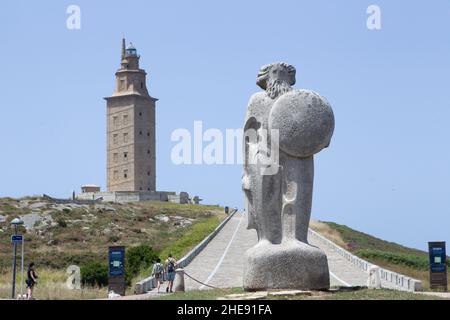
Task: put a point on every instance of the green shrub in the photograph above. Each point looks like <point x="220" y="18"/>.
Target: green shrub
<point x="357" y="240"/>
<point x="8" y="207"/>
<point x="419" y="262"/>
<point x="137" y="258"/>
<point x="192" y="236"/>
<point x="113" y="238"/>
<point x="94" y="274"/>
<point x="66" y="210"/>
<point x="61" y="222"/>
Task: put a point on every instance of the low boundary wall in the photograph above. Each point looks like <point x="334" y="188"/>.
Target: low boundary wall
<point x="68" y="201"/>
<point x="126" y="196"/>
<point x="149" y="283"/>
<point x="389" y="279"/>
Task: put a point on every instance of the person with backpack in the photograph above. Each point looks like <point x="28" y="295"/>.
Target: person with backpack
<point x="158" y="273"/>
<point x="31" y="280"/>
<point x="171" y="264"/>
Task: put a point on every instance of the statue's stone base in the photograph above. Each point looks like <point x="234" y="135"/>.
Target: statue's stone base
<point x="289" y="265"/>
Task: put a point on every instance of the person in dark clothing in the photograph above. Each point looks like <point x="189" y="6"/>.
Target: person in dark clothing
<point x="31" y="280"/>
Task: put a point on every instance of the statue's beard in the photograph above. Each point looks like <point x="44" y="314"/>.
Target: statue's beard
<point x="276" y="88"/>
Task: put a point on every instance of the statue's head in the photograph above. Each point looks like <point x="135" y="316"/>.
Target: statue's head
<point x="276" y="78"/>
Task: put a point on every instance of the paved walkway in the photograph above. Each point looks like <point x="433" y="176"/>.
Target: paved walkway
<point x="445" y="295"/>
<point x="221" y="263"/>
<point x="342" y="272"/>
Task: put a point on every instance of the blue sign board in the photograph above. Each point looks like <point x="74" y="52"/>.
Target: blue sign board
<point x="116" y="261"/>
<point x="17" y="238"/>
<point x="438" y="257"/>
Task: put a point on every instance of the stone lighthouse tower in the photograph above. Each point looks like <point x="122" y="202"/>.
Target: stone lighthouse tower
<point x="131" y="161"/>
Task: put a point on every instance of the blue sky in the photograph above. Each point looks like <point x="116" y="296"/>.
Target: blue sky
<point x="387" y="171"/>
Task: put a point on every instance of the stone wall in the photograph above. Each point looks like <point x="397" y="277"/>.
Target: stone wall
<point x="71" y="201"/>
<point x="182" y="198"/>
<point x="131" y="161"/>
<point x="131" y="158"/>
<point x="389" y="279"/>
<point x="127" y="196"/>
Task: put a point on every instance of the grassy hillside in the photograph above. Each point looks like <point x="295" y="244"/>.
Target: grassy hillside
<point x="408" y="261"/>
<point x="61" y="235"/>
<point x="51" y="286"/>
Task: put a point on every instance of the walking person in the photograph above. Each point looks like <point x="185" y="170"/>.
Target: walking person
<point x="31" y="280"/>
<point x="171" y="265"/>
<point x="158" y="273"/>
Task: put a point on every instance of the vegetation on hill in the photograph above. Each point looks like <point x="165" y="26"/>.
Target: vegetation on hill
<point x="51" y="285"/>
<point x="358" y="240"/>
<point x="393" y="256"/>
<point x="59" y="235"/>
<point x="191" y="238"/>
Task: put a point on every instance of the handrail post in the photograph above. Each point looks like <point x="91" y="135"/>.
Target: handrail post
<point x="178" y="283"/>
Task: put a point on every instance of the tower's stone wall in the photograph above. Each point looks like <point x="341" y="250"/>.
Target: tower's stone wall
<point x="131" y="159"/>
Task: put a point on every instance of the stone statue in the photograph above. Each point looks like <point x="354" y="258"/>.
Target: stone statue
<point x="284" y="128"/>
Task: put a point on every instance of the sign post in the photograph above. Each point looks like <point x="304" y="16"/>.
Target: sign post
<point x="116" y="263"/>
<point x="438" y="265"/>
<point x="21" y="285"/>
<point x="15" y="239"/>
<point x="18" y="239"/>
<point x="13" y="291"/>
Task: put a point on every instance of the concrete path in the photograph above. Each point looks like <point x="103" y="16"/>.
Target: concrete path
<point x="342" y="272"/>
<point x="444" y="295"/>
<point x="221" y="263"/>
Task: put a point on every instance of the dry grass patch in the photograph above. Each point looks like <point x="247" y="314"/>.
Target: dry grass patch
<point x="328" y="232"/>
<point x="51" y="286"/>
